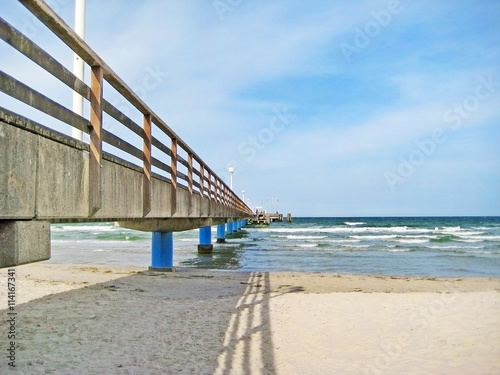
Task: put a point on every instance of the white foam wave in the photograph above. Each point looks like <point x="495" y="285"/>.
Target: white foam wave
<point x="343" y="240"/>
<point x="399" y="229"/>
<point x="295" y="237"/>
<point x="484" y="238"/>
<point x="84" y="228"/>
<point x="357" y="246"/>
<point x="308" y="245"/>
<point x="452" y="229"/>
<point x="412" y="240"/>
<point x="353" y="223"/>
<point x="379" y="237"/>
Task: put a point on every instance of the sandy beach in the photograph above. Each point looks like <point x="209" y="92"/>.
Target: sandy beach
<point x="101" y="319"/>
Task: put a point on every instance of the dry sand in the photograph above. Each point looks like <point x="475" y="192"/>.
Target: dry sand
<point x="92" y="319"/>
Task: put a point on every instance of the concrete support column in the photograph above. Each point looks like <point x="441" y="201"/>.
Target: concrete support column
<point x="162" y="254"/>
<point x="205" y="246"/>
<point x="221" y="233"/>
<point x="24" y="242"/>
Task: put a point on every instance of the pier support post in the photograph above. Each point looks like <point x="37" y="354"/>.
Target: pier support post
<point x="162" y="256"/>
<point x="205" y="246"/>
<point x="221" y="233"/>
<point x="24" y="241"/>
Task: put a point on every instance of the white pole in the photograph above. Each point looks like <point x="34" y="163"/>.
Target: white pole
<point x="231" y="171"/>
<point x="78" y="64"/>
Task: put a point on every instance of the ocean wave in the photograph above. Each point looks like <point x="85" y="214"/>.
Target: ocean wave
<point x="296" y="237"/>
<point x="357" y="246"/>
<point x="347" y="230"/>
<point x="353" y="223"/>
<point x="412" y="240"/>
<point x="453" y="247"/>
<point x="308" y="245"/>
<point x="451" y="229"/>
<point x="84" y="228"/>
<point x="379" y="237"/>
<point x="482" y="238"/>
<point x="343" y="240"/>
<point x="446" y="238"/>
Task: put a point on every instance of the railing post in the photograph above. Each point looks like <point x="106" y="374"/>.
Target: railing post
<point x="190" y="182"/>
<point x="190" y="173"/>
<point x="210" y="186"/>
<point x="146" y="162"/>
<point x="95" y="140"/>
<point x="173" y="176"/>
<point x="209" y="193"/>
<point x="218" y="192"/>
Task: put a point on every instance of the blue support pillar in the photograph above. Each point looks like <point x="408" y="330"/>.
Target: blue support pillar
<point x="205" y="246"/>
<point x="221" y="233"/>
<point x="162" y="251"/>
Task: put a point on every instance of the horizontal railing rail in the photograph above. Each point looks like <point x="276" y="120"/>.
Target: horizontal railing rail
<point x="196" y="176"/>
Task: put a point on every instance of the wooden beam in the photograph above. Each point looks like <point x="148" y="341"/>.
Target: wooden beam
<point x="173" y="175"/>
<point x="29" y="49"/>
<point x="95" y="140"/>
<point x="33" y="98"/>
<point x="146" y="166"/>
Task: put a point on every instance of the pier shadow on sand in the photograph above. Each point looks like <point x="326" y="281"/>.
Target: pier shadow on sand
<point x="248" y="344"/>
<point x="192" y="321"/>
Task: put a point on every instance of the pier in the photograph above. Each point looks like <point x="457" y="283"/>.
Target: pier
<point x="48" y="177"/>
<point x="266" y="218"/>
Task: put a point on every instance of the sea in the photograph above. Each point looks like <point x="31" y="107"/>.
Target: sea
<point x="412" y="246"/>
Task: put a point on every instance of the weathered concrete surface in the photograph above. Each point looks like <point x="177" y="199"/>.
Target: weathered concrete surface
<point x="24" y="242"/>
<point x="121" y="192"/>
<point x="44" y="176"/>
<point x="18" y="162"/>
<point x="62" y="181"/>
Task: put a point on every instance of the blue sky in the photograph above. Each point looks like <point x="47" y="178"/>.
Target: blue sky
<point x="334" y="108"/>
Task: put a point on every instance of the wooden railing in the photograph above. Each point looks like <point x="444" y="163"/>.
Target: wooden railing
<point x="200" y="179"/>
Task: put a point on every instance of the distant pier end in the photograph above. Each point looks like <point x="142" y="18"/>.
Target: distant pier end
<point x="266" y="218"/>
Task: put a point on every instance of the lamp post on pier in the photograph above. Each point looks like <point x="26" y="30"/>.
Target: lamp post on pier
<point x="231" y="171"/>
